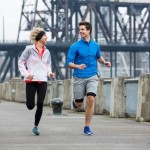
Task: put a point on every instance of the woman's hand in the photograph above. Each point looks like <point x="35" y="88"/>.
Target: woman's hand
<point x="30" y="77"/>
<point x="52" y="75"/>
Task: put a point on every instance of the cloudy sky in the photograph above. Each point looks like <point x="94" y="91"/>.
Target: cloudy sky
<point x="10" y="10"/>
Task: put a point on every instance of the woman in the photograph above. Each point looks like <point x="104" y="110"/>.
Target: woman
<point x="35" y="65"/>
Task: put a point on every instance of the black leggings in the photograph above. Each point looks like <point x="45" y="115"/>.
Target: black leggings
<point x="31" y="89"/>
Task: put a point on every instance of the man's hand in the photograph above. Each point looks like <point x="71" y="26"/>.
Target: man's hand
<point x="82" y="66"/>
<point x="52" y="75"/>
<point x="107" y="64"/>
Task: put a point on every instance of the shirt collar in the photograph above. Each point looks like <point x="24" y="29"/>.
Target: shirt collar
<point x="43" y="48"/>
<point x="85" y="41"/>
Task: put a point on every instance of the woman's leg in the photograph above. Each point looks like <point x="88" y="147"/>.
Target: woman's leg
<point x="30" y="95"/>
<point x="41" y="92"/>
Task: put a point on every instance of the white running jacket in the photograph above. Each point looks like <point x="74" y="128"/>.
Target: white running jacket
<point x="30" y="63"/>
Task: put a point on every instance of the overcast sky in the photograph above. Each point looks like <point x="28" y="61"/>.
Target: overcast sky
<point x="10" y="10"/>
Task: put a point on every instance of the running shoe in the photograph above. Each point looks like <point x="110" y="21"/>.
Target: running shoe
<point x="87" y="131"/>
<point x="35" y="131"/>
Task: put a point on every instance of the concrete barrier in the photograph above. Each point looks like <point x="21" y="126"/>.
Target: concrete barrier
<point x="20" y="94"/>
<point x="5" y="91"/>
<point x="107" y="94"/>
<point x="119" y="97"/>
<point x="131" y="92"/>
<point x="143" y="103"/>
<point x="117" y="102"/>
<point x="56" y="90"/>
<point x="48" y="96"/>
<point x="1" y="92"/>
<point x="67" y="93"/>
<point x="12" y="89"/>
<point x="100" y="103"/>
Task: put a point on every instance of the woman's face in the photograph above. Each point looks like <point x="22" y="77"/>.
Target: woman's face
<point x="44" y="39"/>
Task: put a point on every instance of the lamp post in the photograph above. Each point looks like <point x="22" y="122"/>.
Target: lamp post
<point x="3" y="28"/>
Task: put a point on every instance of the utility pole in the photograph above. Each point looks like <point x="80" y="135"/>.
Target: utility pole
<point x="3" y="29"/>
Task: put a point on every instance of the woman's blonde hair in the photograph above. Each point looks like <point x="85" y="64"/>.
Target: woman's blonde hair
<point x="34" y="32"/>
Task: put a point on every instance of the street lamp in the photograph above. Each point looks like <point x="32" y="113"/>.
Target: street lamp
<point x="3" y="26"/>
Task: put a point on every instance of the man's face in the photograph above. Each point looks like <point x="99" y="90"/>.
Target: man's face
<point x="84" y="32"/>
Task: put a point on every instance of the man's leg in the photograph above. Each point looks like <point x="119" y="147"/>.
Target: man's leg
<point x="91" y="89"/>
<point x="89" y="113"/>
<point x="89" y="109"/>
<point x="79" y="92"/>
<point x="77" y="103"/>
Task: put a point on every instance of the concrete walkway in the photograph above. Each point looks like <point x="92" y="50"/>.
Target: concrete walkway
<point x="65" y="132"/>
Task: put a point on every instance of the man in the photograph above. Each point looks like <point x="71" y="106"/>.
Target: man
<point x="82" y="57"/>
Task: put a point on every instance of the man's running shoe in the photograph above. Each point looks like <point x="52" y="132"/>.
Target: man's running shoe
<point x="35" y="131"/>
<point x="87" y="131"/>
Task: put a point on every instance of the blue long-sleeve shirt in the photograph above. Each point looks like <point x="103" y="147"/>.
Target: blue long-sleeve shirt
<point x="82" y="52"/>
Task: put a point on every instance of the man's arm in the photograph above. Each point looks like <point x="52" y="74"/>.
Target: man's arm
<point x="103" y="61"/>
<point x="74" y="66"/>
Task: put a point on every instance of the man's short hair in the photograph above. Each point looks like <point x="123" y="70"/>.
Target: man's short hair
<point x="87" y="25"/>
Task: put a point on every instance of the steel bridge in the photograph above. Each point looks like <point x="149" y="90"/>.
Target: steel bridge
<point x="122" y="29"/>
<point x="113" y="22"/>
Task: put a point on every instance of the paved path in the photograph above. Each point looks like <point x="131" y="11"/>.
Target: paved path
<point x="65" y="132"/>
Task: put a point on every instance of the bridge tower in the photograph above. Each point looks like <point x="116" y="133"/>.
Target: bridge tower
<point x="122" y="27"/>
<point x="114" y="21"/>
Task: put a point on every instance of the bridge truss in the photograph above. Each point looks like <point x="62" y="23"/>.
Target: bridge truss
<point x="138" y="63"/>
<point x="122" y="30"/>
<point x="113" y="22"/>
